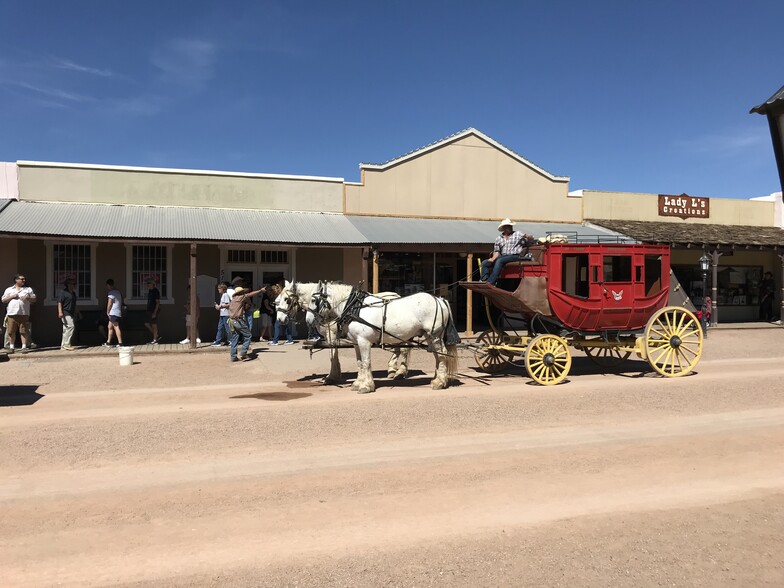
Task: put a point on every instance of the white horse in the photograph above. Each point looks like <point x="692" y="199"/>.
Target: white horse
<point x="297" y="296"/>
<point x="367" y="319"/>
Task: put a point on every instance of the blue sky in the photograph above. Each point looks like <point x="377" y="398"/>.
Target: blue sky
<point x="617" y="95"/>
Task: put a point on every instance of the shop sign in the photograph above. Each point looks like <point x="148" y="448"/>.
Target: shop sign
<point x="684" y="206"/>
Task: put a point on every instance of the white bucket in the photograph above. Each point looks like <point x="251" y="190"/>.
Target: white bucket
<point x="126" y="355"/>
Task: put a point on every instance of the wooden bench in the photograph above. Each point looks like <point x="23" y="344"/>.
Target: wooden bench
<point x="131" y="325"/>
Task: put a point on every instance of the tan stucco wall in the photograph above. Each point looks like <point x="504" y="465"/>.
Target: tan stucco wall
<point x="645" y="207"/>
<point x="177" y="189"/>
<point x="319" y="264"/>
<point x="352" y="268"/>
<point x="8" y="253"/>
<point x="468" y="178"/>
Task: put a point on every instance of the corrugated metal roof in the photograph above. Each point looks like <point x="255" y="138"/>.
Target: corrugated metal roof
<point x="176" y="223"/>
<point x="397" y="230"/>
<point x="103" y="221"/>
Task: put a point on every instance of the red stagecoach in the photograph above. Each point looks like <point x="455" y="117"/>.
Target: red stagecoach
<point x="606" y="299"/>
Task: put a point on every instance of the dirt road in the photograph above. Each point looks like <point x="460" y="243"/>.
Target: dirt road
<point x="186" y="470"/>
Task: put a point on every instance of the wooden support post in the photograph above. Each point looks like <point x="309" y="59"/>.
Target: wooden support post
<point x="364" y="282"/>
<point x="715" y="288"/>
<point x="781" y="305"/>
<point x="193" y="330"/>
<point x="469" y="298"/>
<point x="375" y="271"/>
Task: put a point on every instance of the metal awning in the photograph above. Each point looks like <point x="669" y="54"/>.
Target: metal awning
<point x="191" y="224"/>
<point x="697" y="234"/>
<point x="129" y="222"/>
<point x="427" y="231"/>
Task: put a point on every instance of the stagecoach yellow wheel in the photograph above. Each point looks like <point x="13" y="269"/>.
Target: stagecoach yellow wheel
<point x="548" y="360"/>
<point x="606" y="357"/>
<point x="491" y="360"/>
<point x="673" y="341"/>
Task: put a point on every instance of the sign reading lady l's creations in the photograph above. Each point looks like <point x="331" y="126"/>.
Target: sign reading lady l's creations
<point x="684" y="206"/>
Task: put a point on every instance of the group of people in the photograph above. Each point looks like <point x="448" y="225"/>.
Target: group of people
<point x="235" y="306"/>
<point x="237" y="315"/>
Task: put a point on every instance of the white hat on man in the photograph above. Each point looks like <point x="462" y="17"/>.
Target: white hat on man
<point x="505" y="223"/>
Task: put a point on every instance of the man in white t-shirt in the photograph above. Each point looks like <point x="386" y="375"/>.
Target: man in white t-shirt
<point x="18" y="298"/>
<point x="114" y="303"/>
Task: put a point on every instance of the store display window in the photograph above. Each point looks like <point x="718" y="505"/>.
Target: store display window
<point x="737" y="285"/>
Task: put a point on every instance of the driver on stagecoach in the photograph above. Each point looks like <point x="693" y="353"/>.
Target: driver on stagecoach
<point x="508" y="247"/>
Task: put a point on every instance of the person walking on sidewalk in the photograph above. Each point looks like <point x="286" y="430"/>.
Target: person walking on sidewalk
<point x="223" y="315"/>
<point x="238" y="323"/>
<point x="114" y="304"/>
<point x="68" y="313"/>
<point x="153" y="307"/>
<point x="191" y="316"/>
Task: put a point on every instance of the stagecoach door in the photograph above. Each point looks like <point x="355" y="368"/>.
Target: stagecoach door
<point x="617" y="291"/>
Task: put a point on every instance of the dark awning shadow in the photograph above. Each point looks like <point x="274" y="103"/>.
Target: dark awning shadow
<point x="19" y="395"/>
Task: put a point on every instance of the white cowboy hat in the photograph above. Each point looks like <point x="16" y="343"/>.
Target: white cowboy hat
<point x="239" y="290"/>
<point x="505" y="223"/>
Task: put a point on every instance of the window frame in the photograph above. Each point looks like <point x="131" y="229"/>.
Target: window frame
<point x="168" y="299"/>
<point x="52" y="300"/>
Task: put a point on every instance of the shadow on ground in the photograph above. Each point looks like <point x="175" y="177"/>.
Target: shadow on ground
<point x="19" y="395"/>
<point x="276" y="396"/>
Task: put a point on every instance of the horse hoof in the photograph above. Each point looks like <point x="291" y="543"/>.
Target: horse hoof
<point x="399" y="375"/>
<point x="391" y="375"/>
<point x="438" y="385"/>
<point x="365" y="391"/>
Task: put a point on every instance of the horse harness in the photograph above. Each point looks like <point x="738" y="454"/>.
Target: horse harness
<point x="354" y="304"/>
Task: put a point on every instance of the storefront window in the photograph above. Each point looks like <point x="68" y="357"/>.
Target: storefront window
<point x="738" y="285"/>
<point x="409" y="273"/>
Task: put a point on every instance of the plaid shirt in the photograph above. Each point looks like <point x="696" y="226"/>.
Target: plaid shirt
<point x="512" y="245"/>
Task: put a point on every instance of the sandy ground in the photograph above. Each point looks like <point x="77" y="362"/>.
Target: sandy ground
<point x="186" y="470"/>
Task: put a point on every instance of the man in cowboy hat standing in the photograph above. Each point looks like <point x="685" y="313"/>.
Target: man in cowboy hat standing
<point x="507" y="247"/>
<point x="238" y="323"/>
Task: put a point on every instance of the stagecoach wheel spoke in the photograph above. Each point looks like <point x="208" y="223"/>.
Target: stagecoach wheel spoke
<point x="673" y="341"/>
<point x="606" y="357"/>
<point x="491" y="360"/>
<point x="547" y="359"/>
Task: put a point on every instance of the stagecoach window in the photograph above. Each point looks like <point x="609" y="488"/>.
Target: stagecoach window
<point x="574" y="274"/>
<point x="617" y="268"/>
<point x="653" y="274"/>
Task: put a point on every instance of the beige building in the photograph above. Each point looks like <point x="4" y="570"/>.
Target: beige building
<point x="417" y="222"/>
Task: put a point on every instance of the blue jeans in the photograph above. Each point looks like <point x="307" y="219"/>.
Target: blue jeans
<point x="223" y="329"/>
<point x="497" y="265"/>
<point x="277" y="333"/>
<point x="240" y="330"/>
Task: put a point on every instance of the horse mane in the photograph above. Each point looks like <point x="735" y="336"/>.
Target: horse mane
<point x="338" y="291"/>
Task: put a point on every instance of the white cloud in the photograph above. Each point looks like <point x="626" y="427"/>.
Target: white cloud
<point x="186" y="61"/>
<point x="728" y="144"/>
<point x="72" y="66"/>
<point x="51" y="92"/>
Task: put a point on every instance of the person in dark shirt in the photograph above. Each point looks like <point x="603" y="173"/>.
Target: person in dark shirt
<point x="153" y="306"/>
<point x="68" y="313"/>
<point x="766" y="292"/>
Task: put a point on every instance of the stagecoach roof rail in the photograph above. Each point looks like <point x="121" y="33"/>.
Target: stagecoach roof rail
<point x="576" y="237"/>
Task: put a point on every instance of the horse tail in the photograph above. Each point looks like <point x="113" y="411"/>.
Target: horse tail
<point x="450" y="335"/>
<point x="451" y="338"/>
